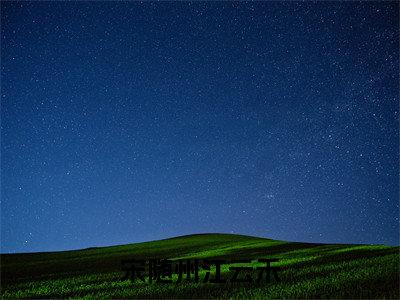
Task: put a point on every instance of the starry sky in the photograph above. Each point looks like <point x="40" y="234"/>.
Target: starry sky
<point x="130" y="121"/>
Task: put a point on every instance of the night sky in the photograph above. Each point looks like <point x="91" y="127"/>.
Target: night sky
<point x="129" y="122"/>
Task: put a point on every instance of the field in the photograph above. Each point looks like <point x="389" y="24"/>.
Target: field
<point x="305" y="270"/>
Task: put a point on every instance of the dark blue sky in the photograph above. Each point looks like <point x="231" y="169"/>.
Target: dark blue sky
<point x="128" y="122"/>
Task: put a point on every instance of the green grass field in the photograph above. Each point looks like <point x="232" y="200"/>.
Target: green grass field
<point x="306" y="270"/>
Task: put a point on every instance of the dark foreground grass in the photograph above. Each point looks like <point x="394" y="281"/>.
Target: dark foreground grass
<point x="307" y="271"/>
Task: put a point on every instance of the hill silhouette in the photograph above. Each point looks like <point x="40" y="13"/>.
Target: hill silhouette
<point x="306" y="270"/>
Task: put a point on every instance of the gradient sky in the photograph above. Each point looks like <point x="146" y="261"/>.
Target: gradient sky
<point x="127" y="122"/>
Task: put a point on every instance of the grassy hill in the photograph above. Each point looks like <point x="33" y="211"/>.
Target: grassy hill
<point x="306" y="270"/>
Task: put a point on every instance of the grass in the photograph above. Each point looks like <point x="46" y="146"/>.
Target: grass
<point x="307" y="271"/>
